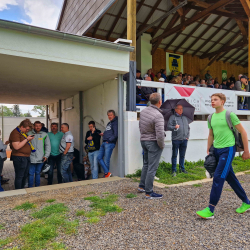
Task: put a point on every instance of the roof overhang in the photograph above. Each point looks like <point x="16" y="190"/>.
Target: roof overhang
<point x="39" y="66"/>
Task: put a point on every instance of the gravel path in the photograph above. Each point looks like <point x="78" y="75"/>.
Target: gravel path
<point x="170" y="223"/>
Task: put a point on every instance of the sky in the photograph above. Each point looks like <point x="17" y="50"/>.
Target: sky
<point x="42" y="13"/>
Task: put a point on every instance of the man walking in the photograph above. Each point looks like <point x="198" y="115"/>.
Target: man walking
<point x="55" y="156"/>
<point x="110" y="136"/>
<point x="67" y="150"/>
<point x="152" y="140"/>
<point x="92" y="141"/>
<point x="179" y="125"/>
<point x="222" y="137"/>
<point x="41" y="143"/>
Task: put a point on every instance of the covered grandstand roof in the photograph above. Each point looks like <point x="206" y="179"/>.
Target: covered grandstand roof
<point x="206" y="28"/>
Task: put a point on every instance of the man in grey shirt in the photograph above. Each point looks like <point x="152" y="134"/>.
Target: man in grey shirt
<point x="67" y="149"/>
<point x="179" y="125"/>
<point x="152" y="140"/>
<point x="241" y="85"/>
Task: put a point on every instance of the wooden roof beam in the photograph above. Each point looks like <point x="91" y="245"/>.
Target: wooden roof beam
<point x="96" y="28"/>
<point x="176" y="3"/>
<point x="116" y="19"/>
<point x="220" y="13"/>
<point x="243" y="30"/>
<point x="242" y="60"/>
<point x="172" y="40"/>
<point x="223" y="49"/>
<point x="239" y="56"/>
<point x="211" y="36"/>
<point x="246" y="6"/>
<point x="137" y="10"/>
<point x="169" y="26"/>
<point x="193" y="19"/>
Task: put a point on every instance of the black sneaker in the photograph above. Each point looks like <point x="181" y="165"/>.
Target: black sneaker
<point x="184" y="171"/>
<point x="153" y="196"/>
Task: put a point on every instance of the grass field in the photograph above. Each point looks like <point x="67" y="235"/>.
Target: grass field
<point x="196" y="171"/>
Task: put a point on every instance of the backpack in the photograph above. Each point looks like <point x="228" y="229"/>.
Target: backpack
<point x="237" y="135"/>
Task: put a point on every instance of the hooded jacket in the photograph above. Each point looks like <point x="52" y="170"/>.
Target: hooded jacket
<point x="93" y="145"/>
<point x="111" y="132"/>
<point x="41" y="143"/>
<point x="183" y="132"/>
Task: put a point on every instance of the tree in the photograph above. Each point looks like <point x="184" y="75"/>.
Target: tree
<point x="6" y="111"/>
<point x="40" y="109"/>
<point x="28" y="114"/>
<point x="16" y="111"/>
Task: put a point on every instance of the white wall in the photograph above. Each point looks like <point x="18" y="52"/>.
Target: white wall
<point x="196" y="150"/>
<point x="9" y="123"/>
<point x="96" y="102"/>
<point x="143" y="53"/>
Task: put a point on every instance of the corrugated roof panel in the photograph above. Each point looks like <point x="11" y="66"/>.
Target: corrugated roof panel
<point x="198" y="44"/>
<point x="171" y="48"/>
<point x="168" y="39"/>
<point x="238" y="39"/>
<point x="179" y="40"/>
<point x="190" y="28"/>
<point x="215" y="48"/>
<point x="230" y="25"/>
<point x="200" y="30"/>
<point x="211" y="18"/>
<point x="209" y="32"/>
<point x="206" y="45"/>
<point x="120" y="26"/>
<point x="227" y="37"/>
<point x="218" y="35"/>
<point x="198" y="54"/>
<point x="189" y="41"/>
<point x="105" y="20"/>
<point x="143" y="13"/>
<point x="190" y="13"/>
<point x="165" y="5"/>
<point x="221" y="21"/>
<point x="181" y="50"/>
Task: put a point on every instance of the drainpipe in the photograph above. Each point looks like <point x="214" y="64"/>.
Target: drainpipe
<point x="60" y="114"/>
<point x="47" y="116"/>
<point x="81" y="125"/>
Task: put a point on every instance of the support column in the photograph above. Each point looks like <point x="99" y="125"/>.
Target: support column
<point x="131" y="35"/>
<point x="47" y="116"/>
<point x="121" y="137"/>
<point x="248" y="47"/>
<point x="60" y="114"/>
<point x="81" y="125"/>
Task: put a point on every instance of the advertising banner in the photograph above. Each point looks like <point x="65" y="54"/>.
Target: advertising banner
<point x="224" y="75"/>
<point x="199" y="97"/>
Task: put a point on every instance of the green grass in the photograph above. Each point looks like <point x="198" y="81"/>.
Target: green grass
<point x="50" y="200"/>
<point x="131" y="195"/>
<point x="80" y="213"/>
<point x="93" y="220"/>
<point x="91" y="193"/>
<point x="52" y="209"/>
<point x="2" y="227"/>
<point x="105" y="193"/>
<point x="197" y="185"/>
<point x="228" y="189"/>
<point x="25" y="206"/>
<point x="196" y="171"/>
<point x="57" y="246"/>
<point x="5" y="241"/>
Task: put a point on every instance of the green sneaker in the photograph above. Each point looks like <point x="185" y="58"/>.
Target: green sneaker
<point x="244" y="207"/>
<point x="205" y="213"/>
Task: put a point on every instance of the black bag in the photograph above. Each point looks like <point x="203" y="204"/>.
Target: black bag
<point x="80" y="171"/>
<point x="210" y="163"/>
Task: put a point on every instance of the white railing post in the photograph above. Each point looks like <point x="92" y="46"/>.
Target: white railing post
<point x="159" y="90"/>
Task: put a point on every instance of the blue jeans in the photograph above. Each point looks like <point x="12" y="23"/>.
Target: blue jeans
<point x="35" y="169"/>
<point x="181" y="146"/>
<point x="105" y="151"/>
<point x="65" y="167"/>
<point x="224" y="171"/>
<point x="94" y="163"/>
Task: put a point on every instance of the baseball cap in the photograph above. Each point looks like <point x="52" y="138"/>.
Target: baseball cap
<point x="245" y="77"/>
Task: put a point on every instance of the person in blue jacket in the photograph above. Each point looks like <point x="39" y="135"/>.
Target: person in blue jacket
<point x="110" y="136"/>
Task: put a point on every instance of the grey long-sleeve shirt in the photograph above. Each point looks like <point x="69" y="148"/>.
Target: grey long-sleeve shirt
<point x="237" y="86"/>
<point x="183" y="132"/>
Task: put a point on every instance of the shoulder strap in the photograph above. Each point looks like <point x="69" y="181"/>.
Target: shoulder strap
<point x="209" y="119"/>
<point x="229" y="121"/>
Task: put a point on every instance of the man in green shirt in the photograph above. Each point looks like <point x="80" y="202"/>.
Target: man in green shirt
<point x="55" y="156"/>
<point x="221" y="136"/>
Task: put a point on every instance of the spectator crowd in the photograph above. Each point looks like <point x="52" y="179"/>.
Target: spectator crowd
<point x="36" y="151"/>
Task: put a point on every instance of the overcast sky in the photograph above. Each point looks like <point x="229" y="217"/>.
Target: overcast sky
<point x="42" y="13"/>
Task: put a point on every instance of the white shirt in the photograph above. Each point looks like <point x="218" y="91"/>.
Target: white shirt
<point x="3" y="147"/>
<point x="67" y="138"/>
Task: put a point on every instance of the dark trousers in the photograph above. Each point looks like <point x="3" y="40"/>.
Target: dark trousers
<point x="1" y="169"/>
<point x="224" y="171"/>
<point x="181" y="146"/>
<point x="52" y="161"/>
<point x="21" y="165"/>
<point x="151" y="159"/>
<point x="65" y="167"/>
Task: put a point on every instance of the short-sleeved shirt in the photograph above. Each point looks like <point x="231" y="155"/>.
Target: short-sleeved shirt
<point x="67" y="138"/>
<point x="55" y="140"/>
<point x="25" y="151"/>
<point x="223" y="136"/>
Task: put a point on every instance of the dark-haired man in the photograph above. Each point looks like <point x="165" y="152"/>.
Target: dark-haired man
<point x="92" y="141"/>
<point x="55" y="137"/>
<point x="67" y="150"/>
<point x="42" y="146"/>
<point x="110" y="136"/>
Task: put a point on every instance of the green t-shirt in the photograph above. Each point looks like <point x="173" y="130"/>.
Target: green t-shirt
<point x="223" y="136"/>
